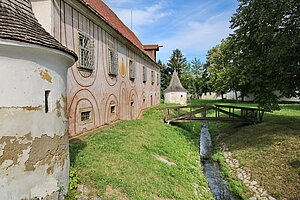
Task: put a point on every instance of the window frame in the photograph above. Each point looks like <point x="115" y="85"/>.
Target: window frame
<point x="132" y="69"/>
<point x="85" y="110"/>
<point x="112" y="62"/>
<point x="144" y="74"/>
<point x="152" y="77"/>
<point x="88" y="48"/>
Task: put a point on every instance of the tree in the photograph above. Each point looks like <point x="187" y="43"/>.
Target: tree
<point x="217" y="66"/>
<point x="165" y="76"/>
<point x="266" y="48"/>
<point x="177" y="61"/>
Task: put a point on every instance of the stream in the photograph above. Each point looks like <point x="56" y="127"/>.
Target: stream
<point x="217" y="184"/>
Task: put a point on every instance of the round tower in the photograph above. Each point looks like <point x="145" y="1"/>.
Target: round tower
<point x="34" y="153"/>
<point x="175" y="92"/>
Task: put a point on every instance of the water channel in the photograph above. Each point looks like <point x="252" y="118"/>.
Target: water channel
<point x="216" y="183"/>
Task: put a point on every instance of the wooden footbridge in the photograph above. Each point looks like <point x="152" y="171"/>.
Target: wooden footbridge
<point x="222" y="113"/>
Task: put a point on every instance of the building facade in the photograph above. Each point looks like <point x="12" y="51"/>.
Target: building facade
<point x="34" y="146"/>
<point x="115" y="77"/>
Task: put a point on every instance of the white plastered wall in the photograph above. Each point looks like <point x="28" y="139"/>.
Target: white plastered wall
<point x="33" y="144"/>
<point x="176" y="97"/>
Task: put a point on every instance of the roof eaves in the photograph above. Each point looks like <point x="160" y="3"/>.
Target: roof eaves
<point x="102" y="18"/>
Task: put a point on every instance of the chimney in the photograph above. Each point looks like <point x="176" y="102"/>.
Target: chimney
<point x="151" y="50"/>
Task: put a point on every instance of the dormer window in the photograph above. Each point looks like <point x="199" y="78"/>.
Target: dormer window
<point x="86" y="56"/>
<point x="144" y="74"/>
<point x="112" y="62"/>
<point x="131" y="70"/>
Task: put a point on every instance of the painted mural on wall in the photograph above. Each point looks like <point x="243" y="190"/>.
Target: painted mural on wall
<point x="104" y="88"/>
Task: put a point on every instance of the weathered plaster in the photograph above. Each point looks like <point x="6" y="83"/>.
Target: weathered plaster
<point x="12" y="149"/>
<point x="34" y="159"/>
<point x="45" y="75"/>
<point x="44" y="150"/>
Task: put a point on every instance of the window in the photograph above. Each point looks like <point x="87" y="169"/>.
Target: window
<point x="112" y="62"/>
<point x="131" y="70"/>
<point x="112" y="108"/>
<point x="85" y="116"/>
<point x="158" y="78"/>
<point x="144" y="74"/>
<point x="152" y="77"/>
<point x="47" y="101"/>
<point x="86" y="56"/>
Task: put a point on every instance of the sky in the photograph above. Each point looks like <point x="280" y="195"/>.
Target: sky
<point x="193" y="26"/>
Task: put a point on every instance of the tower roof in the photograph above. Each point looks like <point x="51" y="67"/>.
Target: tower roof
<point x="17" y="22"/>
<point x="175" y="84"/>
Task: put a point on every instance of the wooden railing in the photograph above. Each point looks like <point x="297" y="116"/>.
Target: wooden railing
<point x="223" y="113"/>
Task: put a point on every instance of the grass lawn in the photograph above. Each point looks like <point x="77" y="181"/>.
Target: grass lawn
<point x="123" y="162"/>
<point x="271" y="150"/>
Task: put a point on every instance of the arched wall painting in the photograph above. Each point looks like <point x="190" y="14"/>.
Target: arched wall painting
<point x="123" y="102"/>
<point x="133" y="105"/>
<point x="83" y="112"/>
<point x="122" y="58"/>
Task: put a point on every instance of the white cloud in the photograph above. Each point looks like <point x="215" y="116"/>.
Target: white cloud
<point x="142" y="17"/>
<point x="197" y="37"/>
<point x="118" y="2"/>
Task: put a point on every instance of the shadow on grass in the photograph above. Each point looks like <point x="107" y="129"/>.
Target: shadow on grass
<point x="295" y="164"/>
<point x="266" y="133"/>
<point x="75" y="148"/>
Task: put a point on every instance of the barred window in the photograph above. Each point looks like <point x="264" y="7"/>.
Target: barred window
<point x="85" y="115"/>
<point x="144" y="74"/>
<point x="152" y="77"/>
<point x="112" y="62"/>
<point x="86" y="56"/>
<point x="131" y="70"/>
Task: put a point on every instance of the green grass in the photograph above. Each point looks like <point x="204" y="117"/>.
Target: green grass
<point x="121" y="163"/>
<point x="271" y="150"/>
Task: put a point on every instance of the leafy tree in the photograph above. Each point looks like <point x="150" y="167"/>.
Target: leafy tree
<point x="165" y="76"/>
<point x="177" y="61"/>
<point x="266" y="47"/>
<point x="216" y="64"/>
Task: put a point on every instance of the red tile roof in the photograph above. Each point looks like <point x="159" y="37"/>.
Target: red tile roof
<point x="101" y="8"/>
<point x="151" y="47"/>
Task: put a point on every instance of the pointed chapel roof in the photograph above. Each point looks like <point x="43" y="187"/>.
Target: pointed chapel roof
<point x="175" y="84"/>
<point x="17" y="22"/>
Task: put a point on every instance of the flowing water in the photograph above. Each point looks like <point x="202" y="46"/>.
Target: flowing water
<point x="217" y="185"/>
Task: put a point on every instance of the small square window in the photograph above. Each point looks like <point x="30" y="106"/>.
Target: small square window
<point x="144" y="74"/>
<point x="85" y="116"/>
<point x="131" y="69"/>
<point x="112" y="62"/>
<point x="86" y="53"/>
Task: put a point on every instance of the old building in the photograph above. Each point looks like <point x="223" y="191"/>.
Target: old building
<point x="116" y="77"/>
<point x="175" y="92"/>
<point x="34" y="153"/>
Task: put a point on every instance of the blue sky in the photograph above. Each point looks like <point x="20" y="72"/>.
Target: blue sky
<point x="193" y="26"/>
